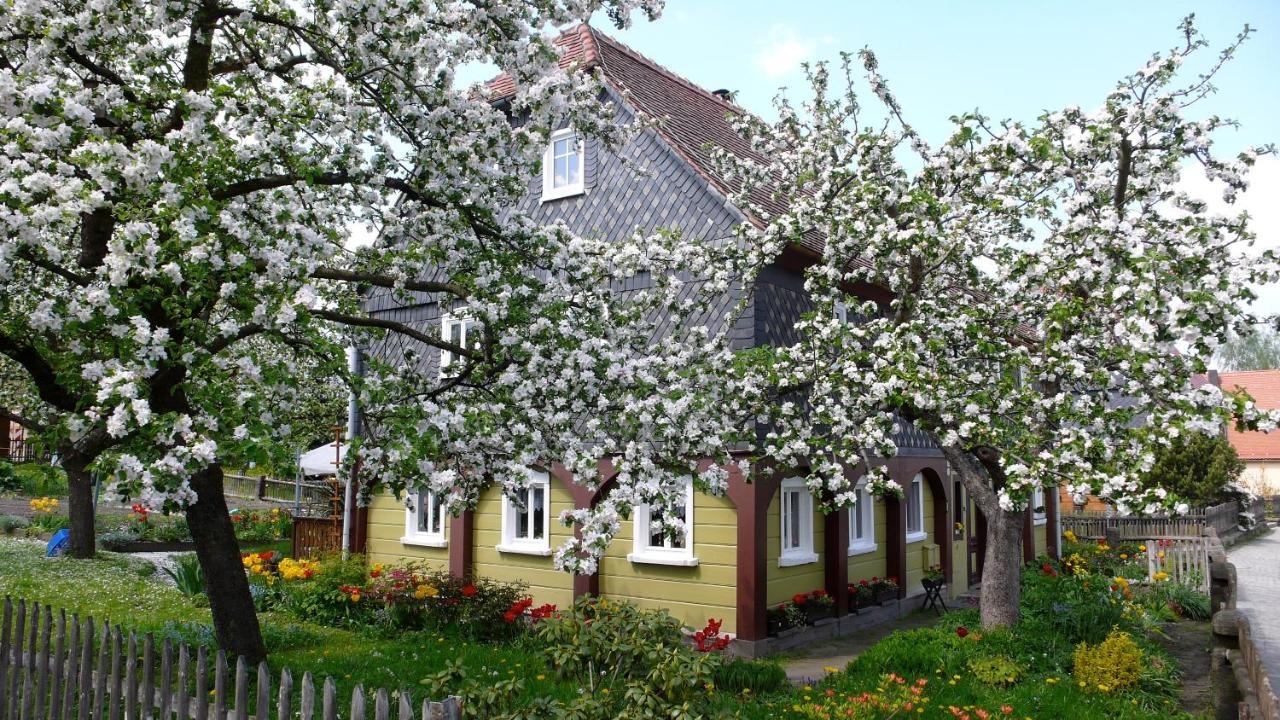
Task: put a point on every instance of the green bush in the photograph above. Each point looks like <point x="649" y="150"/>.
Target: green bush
<point x="116" y="539"/>
<point x="10" y="523"/>
<point x="48" y="523"/>
<point x="997" y="671"/>
<point x="9" y="483"/>
<point x="38" y="480"/>
<point x="755" y="676"/>
<point x="321" y="598"/>
<point x="629" y="662"/>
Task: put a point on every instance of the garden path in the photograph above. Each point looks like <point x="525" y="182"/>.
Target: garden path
<point x="1258" y="586"/>
<point x="817" y="661"/>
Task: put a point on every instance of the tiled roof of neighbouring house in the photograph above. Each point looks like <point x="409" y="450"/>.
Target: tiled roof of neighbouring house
<point x="1264" y="387"/>
<point x="690" y="118"/>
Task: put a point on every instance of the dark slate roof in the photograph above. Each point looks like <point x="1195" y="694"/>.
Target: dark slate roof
<point x="690" y="118"/>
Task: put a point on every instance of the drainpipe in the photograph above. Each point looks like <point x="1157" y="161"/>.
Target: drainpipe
<point x="356" y="367"/>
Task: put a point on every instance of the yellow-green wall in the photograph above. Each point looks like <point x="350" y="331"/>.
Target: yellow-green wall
<point x="546" y="584"/>
<point x="915" y="550"/>
<point x="784" y="582"/>
<point x="386" y="527"/>
<point x="872" y="564"/>
<point x="691" y="594"/>
<point x="1042" y="542"/>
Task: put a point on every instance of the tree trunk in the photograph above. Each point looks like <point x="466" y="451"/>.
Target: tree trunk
<point x="235" y="622"/>
<point x="1002" y="569"/>
<point x="81" y="544"/>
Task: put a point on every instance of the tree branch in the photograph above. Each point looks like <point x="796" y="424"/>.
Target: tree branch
<point x="41" y="372"/>
<point x="70" y="276"/>
<point x="387" y="281"/>
<point x="271" y="182"/>
<point x="26" y="422"/>
<point x="396" y="327"/>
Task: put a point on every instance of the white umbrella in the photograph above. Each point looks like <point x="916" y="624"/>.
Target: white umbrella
<point x="323" y="460"/>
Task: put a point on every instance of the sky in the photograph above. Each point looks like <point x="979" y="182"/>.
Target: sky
<point x="1007" y="59"/>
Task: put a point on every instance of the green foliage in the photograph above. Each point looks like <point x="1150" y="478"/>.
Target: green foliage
<point x="187" y="575"/>
<point x="258" y="526"/>
<point x="10" y="523"/>
<point x="754" y="676"/>
<point x="321" y="599"/>
<point x="1114" y="664"/>
<point x="1197" y="468"/>
<point x="629" y="662"/>
<point x="1257" y="350"/>
<point x="1174" y="600"/>
<point x="47" y="523"/>
<point x="37" y="480"/>
<point x="997" y="670"/>
<point x="9" y="482"/>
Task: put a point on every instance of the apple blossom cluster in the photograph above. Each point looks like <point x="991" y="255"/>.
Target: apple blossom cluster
<point x="1051" y="292"/>
<point x="183" y="186"/>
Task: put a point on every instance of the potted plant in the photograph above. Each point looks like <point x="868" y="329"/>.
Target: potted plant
<point x="933" y="577"/>
<point x="861" y="595"/>
<point x="776" y="618"/>
<point x="885" y="589"/>
<point x="819" y="605"/>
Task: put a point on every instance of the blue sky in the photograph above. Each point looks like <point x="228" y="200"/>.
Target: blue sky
<point x="1008" y="59"/>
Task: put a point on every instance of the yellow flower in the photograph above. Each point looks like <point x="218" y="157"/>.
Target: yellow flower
<point x="1160" y="576"/>
<point x="1124" y="556"/>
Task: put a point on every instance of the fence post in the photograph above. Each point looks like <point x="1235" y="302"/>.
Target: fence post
<point x="4" y="654"/>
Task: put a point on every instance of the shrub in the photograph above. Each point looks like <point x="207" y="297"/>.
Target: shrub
<point x="321" y="599"/>
<point x="116" y="539"/>
<point x="9" y="482"/>
<point x="10" y="523"/>
<point x="1115" y="663"/>
<point x="187" y="575"/>
<point x="752" y="676"/>
<point x="998" y="670"/>
<point x="38" y="480"/>
<point x="629" y="662"/>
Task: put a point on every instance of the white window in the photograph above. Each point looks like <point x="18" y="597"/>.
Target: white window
<point x="457" y="329"/>
<point x="562" y="166"/>
<point x="915" y="510"/>
<point x="425" y="520"/>
<point x="797" y="524"/>
<point x="862" y="524"/>
<point x="841" y="311"/>
<point x="652" y="545"/>
<point x="1038" y="511"/>
<point x="526" y="517"/>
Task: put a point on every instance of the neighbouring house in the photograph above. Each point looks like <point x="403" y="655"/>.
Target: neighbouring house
<point x="765" y="540"/>
<point x="1259" y="451"/>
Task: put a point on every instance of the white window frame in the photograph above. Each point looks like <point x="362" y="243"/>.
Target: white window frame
<point x="1038" y="499"/>
<point x="646" y="552"/>
<point x="803" y="553"/>
<point x="447" y="321"/>
<point x="916" y="490"/>
<point x="865" y="507"/>
<point x="549" y="189"/>
<point x="841" y="311"/>
<point x="538" y="480"/>
<point x="413" y="514"/>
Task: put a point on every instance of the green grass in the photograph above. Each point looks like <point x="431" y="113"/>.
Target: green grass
<point x="125" y="590"/>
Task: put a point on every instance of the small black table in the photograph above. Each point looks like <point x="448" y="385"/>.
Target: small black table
<point x="933" y="599"/>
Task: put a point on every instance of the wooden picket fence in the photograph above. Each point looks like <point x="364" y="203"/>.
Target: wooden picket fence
<point x="53" y="666"/>
<point x="1095" y="525"/>
<point x="1184" y="559"/>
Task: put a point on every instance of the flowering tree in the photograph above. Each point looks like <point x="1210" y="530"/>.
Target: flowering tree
<point x="179" y="186"/>
<point x="1051" y="292"/>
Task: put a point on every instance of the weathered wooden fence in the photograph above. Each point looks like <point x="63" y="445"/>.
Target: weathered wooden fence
<point x="53" y="666"/>
<point x="1183" y="560"/>
<point x="280" y="491"/>
<point x="1095" y="525"/>
<point x="316" y="536"/>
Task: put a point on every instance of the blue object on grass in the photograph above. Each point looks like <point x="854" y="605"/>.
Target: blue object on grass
<point x="58" y="543"/>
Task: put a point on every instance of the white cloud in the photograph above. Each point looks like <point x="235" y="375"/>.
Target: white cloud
<point x="783" y="52"/>
<point x="1260" y="201"/>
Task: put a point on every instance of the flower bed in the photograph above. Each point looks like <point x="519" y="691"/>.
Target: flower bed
<point x="1083" y="649"/>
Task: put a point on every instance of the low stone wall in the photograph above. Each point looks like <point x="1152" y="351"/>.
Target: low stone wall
<point x="1240" y="679"/>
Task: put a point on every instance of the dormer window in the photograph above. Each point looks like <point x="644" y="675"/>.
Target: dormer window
<point x="563" y="165"/>
<point x="461" y="330"/>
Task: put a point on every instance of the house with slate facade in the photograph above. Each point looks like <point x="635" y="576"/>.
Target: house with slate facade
<point x="765" y="540"/>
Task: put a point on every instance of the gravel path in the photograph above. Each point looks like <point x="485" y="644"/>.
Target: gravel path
<point x="1258" y="576"/>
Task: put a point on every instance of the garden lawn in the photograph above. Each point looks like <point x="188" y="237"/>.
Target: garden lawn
<point x="126" y="591"/>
